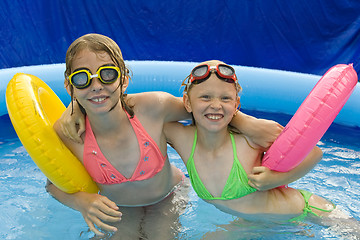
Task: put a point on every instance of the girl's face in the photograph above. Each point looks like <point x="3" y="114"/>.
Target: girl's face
<point x="213" y="103"/>
<point x="97" y="97"/>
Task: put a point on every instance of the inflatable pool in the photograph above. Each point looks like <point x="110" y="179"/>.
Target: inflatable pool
<point x="263" y="89"/>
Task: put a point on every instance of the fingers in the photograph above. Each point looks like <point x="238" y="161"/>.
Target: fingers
<point x="64" y="131"/>
<point x="70" y="120"/>
<point x="275" y="129"/>
<point x="257" y="179"/>
<point x="252" y="180"/>
<point x="98" y="211"/>
<point x="93" y="228"/>
<point x="251" y="184"/>
<point x="98" y="218"/>
<point x="69" y="130"/>
<point x="111" y="204"/>
<point x="94" y="221"/>
<point x="277" y="125"/>
<point x="106" y="210"/>
<point x="73" y="133"/>
<point x="102" y="225"/>
<point x="81" y="130"/>
<point x="108" y="214"/>
<point x="257" y="170"/>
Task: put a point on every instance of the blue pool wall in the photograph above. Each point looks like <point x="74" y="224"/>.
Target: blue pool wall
<point x="299" y="36"/>
<point x="263" y="89"/>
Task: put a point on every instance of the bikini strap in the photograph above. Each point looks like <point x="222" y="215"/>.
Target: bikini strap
<point x="194" y="145"/>
<point x="324" y="210"/>
<point x="233" y="145"/>
<point x="307" y="196"/>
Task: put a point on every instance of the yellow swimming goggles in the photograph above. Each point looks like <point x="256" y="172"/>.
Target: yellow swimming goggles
<point x="82" y="78"/>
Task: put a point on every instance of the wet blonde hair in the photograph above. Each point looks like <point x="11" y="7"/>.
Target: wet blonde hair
<point x="98" y="43"/>
<point x="188" y="86"/>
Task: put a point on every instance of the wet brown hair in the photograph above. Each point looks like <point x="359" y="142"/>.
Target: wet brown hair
<point x="98" y="43"/>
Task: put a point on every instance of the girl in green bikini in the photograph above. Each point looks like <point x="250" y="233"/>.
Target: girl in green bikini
<point x="225" y="167"/>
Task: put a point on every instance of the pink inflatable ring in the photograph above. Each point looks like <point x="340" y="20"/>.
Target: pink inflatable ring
<point x="312" y="119"/>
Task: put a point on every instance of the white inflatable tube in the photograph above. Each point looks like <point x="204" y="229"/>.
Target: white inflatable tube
<point x="263" y="89"/>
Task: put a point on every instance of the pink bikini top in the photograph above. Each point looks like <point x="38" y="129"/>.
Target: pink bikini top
<point x="103" y="172"/>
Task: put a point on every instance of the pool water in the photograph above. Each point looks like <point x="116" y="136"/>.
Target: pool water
<point x="27" y="211"/>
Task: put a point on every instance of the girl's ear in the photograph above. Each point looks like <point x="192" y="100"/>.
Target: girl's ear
<point x="67" y="86"/>
<point x="125" y="84"/>
<point x="187" y="104"/>
<point x="238" y="104"/>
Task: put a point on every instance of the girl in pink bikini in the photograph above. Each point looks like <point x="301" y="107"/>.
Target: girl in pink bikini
<point x="124" y="147"/>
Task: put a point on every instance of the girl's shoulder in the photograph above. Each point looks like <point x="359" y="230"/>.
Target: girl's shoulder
<point x="158" y="105"/>
<point x="148" y="97"/>
<point x="149" y="100"/>
<point x="180" y="137"/>
<point x="178" y="132"/>
<point x="241" y="138"/>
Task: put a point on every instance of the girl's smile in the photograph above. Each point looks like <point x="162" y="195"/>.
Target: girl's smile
<point x="98" y="99"/>
<point x="97" y="96"/>
<point x="213" y="103"/>
<point x="214" y="116"/>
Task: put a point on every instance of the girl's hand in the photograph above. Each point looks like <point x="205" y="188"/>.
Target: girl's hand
<point x="262" y="178"/>
<point x="265" y="133"/>
<point x="72" y="125"/>
<point x="97" y="209"/>
<point x="262" y="132"/>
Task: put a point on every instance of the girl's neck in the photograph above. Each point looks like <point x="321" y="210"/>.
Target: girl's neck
<point x="212" y="140"/>
<point x="108" y="122"/>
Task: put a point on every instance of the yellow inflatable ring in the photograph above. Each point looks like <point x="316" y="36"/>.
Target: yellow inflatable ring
<point x="33" y="109"/>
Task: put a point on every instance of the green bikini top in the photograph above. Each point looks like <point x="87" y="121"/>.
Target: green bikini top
<point x="236" y="185"/>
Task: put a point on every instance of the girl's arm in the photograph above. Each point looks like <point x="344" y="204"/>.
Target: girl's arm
<point x="262" y="132"/>
<point x="94" y="208"/>
<point x="263" y="178"/>
<point x="180" y="137"/>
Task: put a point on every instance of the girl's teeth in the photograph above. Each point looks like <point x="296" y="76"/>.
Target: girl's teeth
<point x="98" y="99"/>
<point x="214" y="117"/>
